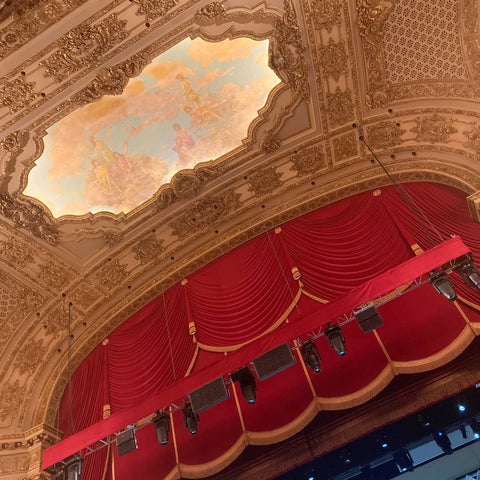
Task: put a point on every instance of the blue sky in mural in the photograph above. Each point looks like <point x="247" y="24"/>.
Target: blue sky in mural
<point x="193" y="103"/>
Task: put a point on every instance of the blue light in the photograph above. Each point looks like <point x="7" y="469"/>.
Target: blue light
<point x="476" y="435"/>
<point x="461" y="407"/>
<point x="384" y="445"/>
<point x="440" y="434"/>
<point x="311" y="478"/>
<point x="404" y="469"/>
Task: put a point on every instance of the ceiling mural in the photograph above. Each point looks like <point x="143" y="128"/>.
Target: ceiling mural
<point x="193" y="103"/>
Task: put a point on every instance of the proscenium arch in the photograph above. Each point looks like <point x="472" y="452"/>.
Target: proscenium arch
<point x="52" y="381"/>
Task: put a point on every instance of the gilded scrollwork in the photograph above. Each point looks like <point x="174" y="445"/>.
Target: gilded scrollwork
<point x="473" y="138"/>
<point x="287" y="56"/>
<point x="308" y="161"/>
<point x="85" y="295"/>
<point x="10" y="394"/>
<point x="212" y="11"/>
<point x="471" y="33"/>
<point x="16" y="94"/>
<point x="384" y="135"/>
<point x="17" y="251"/>
<point x="154" y="8"/>
<point x="326" y="14"/>
<point x="264" y="181"/>
<point x="83" y="47"/>
<point x="345" y="146"/>
<point x="433" y="129"/>
<point x="30" y="18"/>
<point x="205" y="213"/>
<point x="112" y="80"/>
<point x="29" y="216"/>
<point x="271" y="143"/>
<point x="15" y="142"/>
<point x="148" y="249"/>
<point x="333" y="59"/>
<point x="339" y="107"/>
<point x="112" y="274"/>
<point x="11" y="464"/>
<point x="30" y="357"/>
<point x="55" y="276"/>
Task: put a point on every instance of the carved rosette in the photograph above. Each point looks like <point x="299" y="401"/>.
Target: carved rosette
<point x="333" y="59"/>
<point x="384" y="135"/>
<point x="211" y="12"/>
<point x="308" y="161"/>
<point x="15" y="142"/>
<point x="326" y="14"/>
<point x="433" y="129"/>
<point x="204" y="213"/>
<point x="265" y="181"/>
<point x="83" y="47"/>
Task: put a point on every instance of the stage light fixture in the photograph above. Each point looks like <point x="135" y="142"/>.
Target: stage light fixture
<point x="248" y="386"/>
<point x="461" y="407"/>
<point x="443" y="285"/>
<point x="463" y="431"/>
<point x="126" y="442"/>
<point x="368" y="319"/>
<point x="190" y="419"/>
<point x="161" y="420"/>
<point x="311" y="356"/>
<point x="336" y="339"/>
<point x="366" y="472"/>
<point x="73" y="468"/>
<point x="403" y="460"/>
<point x="442" y="440"/>
<point x="469" y="271"/>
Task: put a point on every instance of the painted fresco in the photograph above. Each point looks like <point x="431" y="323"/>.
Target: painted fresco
<point x="191" y="104"/>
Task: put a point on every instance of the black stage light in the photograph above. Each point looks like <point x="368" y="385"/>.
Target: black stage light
<point x="248" y="386"/>
<point x="463" y="431"/>
<point x="368" y="319"/>
<point x="73" y="468"/>
<point x="366" y="472"/>
<point x="311" y="356"/>
<point x="443" y="285"/>
<point x="161" y="421"/>
<point x="442" y="440"/>
<point x="190" y="419"/>
<point x="336" y="339"/>
<point x="404" y="461"/>
<point x="469" y="272"/>
<point x="126" y="442"/>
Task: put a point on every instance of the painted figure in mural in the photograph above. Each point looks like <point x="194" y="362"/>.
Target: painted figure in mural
<point x="204" y="115"/>
<point x="190" y="97"/>
<point x="183" y="144"/>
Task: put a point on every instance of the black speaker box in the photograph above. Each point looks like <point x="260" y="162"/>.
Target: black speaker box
<point x="274" y="361"/>
<point x="209" y="395"/>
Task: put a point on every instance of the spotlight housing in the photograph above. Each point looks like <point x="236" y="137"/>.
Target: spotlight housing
<point x="475" y="426"/>
<point x="311" y="356"/>
<point x="443" y="285"/>
<point x="336" y="339"/>
<point x="442" y="440"/>
<point x="248" y="386"/>
<point x="404" y="460"/>
<point x="73" y="468"/>
<point x="190" y="419"/>
<point x="469" y="272"/>
<point x="161" y="420"/>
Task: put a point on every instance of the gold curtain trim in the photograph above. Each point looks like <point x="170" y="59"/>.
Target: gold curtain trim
<point x="231" y="348"/>
<point x="440" y="358"/>
<point x="469" y="304"/>
<point x="360" y="396"/>
<point x="313" y="297"/>
<point x="192" y="363"/>
<point x="107" y="460"/>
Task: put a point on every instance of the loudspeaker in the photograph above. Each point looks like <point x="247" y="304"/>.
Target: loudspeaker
<point x="209" y="395"/>
<point x="368" y="319"/>
<point x="274" y="361"/>
<point x="126" y="442"/>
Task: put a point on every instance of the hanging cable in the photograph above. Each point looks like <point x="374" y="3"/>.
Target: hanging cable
<point x="69" y="363"/>
<point x="410" y="202"/>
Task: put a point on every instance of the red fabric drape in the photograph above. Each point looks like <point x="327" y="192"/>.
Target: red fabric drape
<point x="348" y="252"/>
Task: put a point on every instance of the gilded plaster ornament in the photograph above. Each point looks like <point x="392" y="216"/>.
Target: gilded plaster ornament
<point x="384" y="135"/>
<point x="15" y="142"/>
<point x="112" y="237"/>
<point x="333" y="59"/>
<point x="11" y="464"/>
<point x="339" y="107"/>
<point x="17" y="94"/>
<point x="345" y="146"/>
<point x="29" y="216"/>
<point x="30" y="357"/>
<point x="211" y="12"/>
<point x="85" y="295"/>
<point x="205" y="213"/>
<point x="56" y="276"/>
<point x="148" y="249"/>
<point x="264" y="181"/>
<point x="112" y="274"/>
<point x="433" y="129"/>
<point x="154" y="8"/>
<point x="308" y="161"/>
<point x="17" y="251"/>
<point x="326" y="14"/>
<point x="473" y="136"/>
<point x="11" y="394"/>
<point x="83" y="47"/>
<point x="270" y="143"/>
